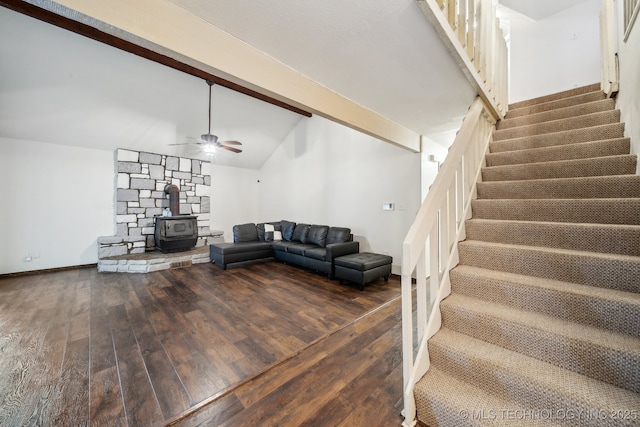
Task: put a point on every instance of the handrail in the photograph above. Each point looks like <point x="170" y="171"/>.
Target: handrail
<point x="471" y="32"/>
<point x="610" y="79"/>
<point x="440" y="221"/>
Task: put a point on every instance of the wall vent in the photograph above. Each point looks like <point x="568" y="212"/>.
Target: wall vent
<point x="180" y="264"/>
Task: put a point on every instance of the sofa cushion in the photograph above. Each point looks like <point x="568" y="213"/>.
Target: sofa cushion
<point x="300" y="233"/>
<point x="282" y="245"/>
<point x="245" y="233"/>
<point x="318" y="235"/>
<point x="338" y="235"/>
<point x="316" y="253"/>
<point x="287" y="227"/>
<point x="299" y="248"/>
<point x="236" y="248"/>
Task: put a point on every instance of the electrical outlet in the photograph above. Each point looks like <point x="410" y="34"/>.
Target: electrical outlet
<point x="28" y="257"/>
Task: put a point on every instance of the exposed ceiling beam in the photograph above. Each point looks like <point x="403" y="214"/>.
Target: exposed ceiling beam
<point x="111" y="40"/>
<point x="167" y="33"/>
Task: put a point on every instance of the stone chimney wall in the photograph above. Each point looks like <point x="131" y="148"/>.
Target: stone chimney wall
<point x="140" y="182"/>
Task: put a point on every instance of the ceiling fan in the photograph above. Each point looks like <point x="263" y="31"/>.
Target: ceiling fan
<point x="210" y="142"/>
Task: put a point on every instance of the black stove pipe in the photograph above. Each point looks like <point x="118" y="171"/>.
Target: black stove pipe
<point x="174" y="198"/>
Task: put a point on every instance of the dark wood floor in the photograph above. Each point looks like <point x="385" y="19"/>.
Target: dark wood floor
<point x="267" y="344"/>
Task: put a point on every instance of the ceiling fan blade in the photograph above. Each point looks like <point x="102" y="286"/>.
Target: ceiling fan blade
<point x="183" y="143"/>
<point x="231" y="142"/>
<point x="235" y="150"/>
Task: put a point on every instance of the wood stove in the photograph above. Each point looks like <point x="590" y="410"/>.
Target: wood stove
<point x="176" y="233"/>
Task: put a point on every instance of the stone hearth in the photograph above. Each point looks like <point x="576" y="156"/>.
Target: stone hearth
<point x="153" y="261"/>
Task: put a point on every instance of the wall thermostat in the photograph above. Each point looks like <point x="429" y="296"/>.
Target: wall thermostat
<point x="387" y="206"/>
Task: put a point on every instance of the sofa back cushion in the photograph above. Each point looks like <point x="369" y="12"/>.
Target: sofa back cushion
<point x="300" y="233"/>
<point x="338" y="235"/>
<point x="318" y="235"/>
<point x="287" y="227"/>
<point x="245" y="233"/>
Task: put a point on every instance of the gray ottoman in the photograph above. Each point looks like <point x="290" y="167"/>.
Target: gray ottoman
<point x="362" y="268"/>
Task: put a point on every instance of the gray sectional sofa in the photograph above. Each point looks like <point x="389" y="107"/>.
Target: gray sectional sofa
<point x="311" y="246"/>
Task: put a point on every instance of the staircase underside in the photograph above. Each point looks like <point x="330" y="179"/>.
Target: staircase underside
<point x="543" y="323"/>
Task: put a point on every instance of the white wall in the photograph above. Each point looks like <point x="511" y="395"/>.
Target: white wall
<point x="628" y="99"/>
<point x="325" y="173"/>
<point x="234" y="198"/>
<point x="557" y="53"/>
<point x="56" y="201"/>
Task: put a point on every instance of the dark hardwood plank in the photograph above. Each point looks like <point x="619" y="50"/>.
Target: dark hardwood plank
<point x="291" y="393"/>
<point x="196" y="346"/>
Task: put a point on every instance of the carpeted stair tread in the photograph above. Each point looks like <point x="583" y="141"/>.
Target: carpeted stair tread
<point x="595" y="133"/>
<point x="607" y="147"/>
<point x="595" y="87"/>
<point x="620" y="272"/>
<point x="613" y="310"/>
<point x="560" y="113"/>
<point x="585" y="121"/>
<point x="558" y="103"/>
<point x="612" y="358"/>
<point x="601" y="187"/>
<point x="601" y="238"/>
<point x="598" y="211"/>
<point x="595" y="166"/>
<point x="544" y="309"/>
<point x="443" y="400"/>
<point x="502" y="374"/>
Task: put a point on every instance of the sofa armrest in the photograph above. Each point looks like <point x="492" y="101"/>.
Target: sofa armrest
<point x="335" y="250"/>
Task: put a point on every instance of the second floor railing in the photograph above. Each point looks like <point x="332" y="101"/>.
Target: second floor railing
<point x="472" y="33"/>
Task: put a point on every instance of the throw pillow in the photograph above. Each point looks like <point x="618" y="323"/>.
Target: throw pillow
<point x="286" y="227"/>
<point x="277" y="236"/>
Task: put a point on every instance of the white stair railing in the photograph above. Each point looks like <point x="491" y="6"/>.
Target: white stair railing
<point x="440" y="222"/>
<point x="471" y="32"/>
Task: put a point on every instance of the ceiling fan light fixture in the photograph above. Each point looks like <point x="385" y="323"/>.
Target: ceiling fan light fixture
<point x="209" y="149"/>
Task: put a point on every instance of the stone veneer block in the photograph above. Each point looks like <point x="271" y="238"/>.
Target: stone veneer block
<point x="195" y="166"/>
<point x="143" y="184"/>
<point x="148" y="203"/>
<point x="127" y="195"/>
<point x="205" y="168"/>
<point x="108" y="240"/>
<point x="203" y="190"/>
<point x="207" y="180"/>
<point x="129" y="167"/>
<point x="126" y="218"/>
<point x="127" y="155"/>
<point x="156" y="172"/>
<point x="182" y="175"/>
<point x="121" y="208"/>
<point x="152" y="159"/>
<point x="185" y="165"/>
<point x="173" y="163"/>
<point x="145" y="194"/>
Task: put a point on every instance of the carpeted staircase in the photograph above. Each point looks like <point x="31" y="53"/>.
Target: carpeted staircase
<point x="543" y="323"/>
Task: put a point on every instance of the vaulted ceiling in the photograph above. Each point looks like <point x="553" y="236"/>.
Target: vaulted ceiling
<point x="63" y="88"/>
